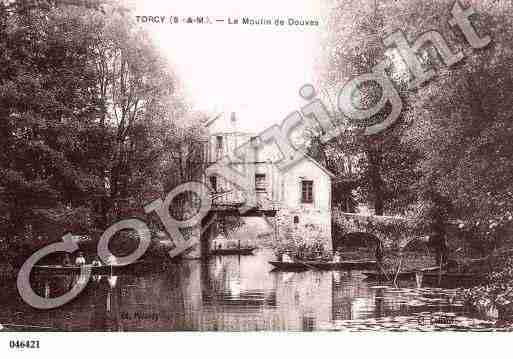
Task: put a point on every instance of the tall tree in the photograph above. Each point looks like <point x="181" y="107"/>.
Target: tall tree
<point x="459" y="122"/>
<point x="353" y="47"/>
<point x="134" y="85"/>
<point x="48" y="104"/>
<point x="85" y="103"/>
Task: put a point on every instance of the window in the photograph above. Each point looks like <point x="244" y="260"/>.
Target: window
<point x="213" y="183"/>
<point x="219" y="142"/>
<point x="296" y="219"/>
<point x="260" y="183"/>
<point x="307" y="191"/>
<point x="219" y="147"/>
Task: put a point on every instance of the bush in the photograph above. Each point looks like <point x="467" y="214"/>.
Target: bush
<point x="300" y="248"/>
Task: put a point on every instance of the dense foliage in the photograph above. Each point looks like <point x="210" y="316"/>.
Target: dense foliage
<point x="447" y="160"/>
<point x="90" y="119"/>
<point x="448" y="153"/>
<point x="299" y="247"/>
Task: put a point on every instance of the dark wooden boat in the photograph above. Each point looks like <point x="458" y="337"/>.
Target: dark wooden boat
<point x="343" y="265"/>
<point x="430" y="276"/>
<point x="381" y="276"/>
<point x="233" y="251"/>
<point x="95" y="270"/>
<point x="455" y="278"/>
<point x="289" y="266"/>
<point x="406" y="275"/>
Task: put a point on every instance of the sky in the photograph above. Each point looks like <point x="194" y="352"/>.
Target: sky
<point x="254" y="71"/>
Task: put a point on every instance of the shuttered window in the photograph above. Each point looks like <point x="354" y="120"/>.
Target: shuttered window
<point x="219" y="142"/>
<point x="260" y="182"/>
<point x="307" y="191"/>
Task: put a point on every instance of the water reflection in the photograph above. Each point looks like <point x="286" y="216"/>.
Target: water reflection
<point x="228" y="293"/>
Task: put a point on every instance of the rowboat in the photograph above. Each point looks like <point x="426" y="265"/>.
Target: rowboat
<point x="289" y="266"/>
<point x="95" y="269"/>
<point x="382" y="276"/>
<point x="453" y="278"/>
<point x="324" y="265"/>
<point x="406" y="275"/>
<point x="232" y="251"/>
<point x="430" y="276"/>
<point x="343" y="265"/>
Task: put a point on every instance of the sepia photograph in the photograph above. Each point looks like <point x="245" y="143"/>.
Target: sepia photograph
<point x="334" y="166"/>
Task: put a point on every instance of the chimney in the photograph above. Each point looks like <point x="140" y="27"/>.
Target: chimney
<point x="233" y="119"/>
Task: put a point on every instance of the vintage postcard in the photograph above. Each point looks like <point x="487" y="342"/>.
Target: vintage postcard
<point x="235" y="166"/>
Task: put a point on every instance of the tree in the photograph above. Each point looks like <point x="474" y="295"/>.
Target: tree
<point x="463" y="125"/>
<point x="136" y="89"/>
<point x="48" y="105"/>
<point x="386" y="162"/>
<point x="85" y="101"/>
<point x="459" y="123"/>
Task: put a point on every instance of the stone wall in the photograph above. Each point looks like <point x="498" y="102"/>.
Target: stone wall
<point x="306" y="222"/>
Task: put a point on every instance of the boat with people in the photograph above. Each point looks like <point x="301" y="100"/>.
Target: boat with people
<point x="101" y="269"/>
<point x="290" y="261"/>
<point x="242" y="251"/>
<point x="289" y="266"/>
<point x="343" y="264"/>
<point x="323" y="265"/>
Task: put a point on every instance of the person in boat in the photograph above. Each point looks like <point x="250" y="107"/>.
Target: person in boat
<point x="67" y="261"/>
<point x="285" y="258"/>
<point x="80" y="260"/>
<point x="336" y="257"/>
<point x="379" y="254"/>
<point x="97" y="262"/>
<point x="112" y="260"/>
<point x="316" y="251"/>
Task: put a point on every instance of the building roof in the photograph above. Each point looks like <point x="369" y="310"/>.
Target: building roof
<point x="227" y="124"/>
<point x="324" y="169"/>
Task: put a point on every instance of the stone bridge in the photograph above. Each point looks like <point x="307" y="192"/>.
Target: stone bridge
<point x="366" y="230"/>
<point x="392" y="231"/>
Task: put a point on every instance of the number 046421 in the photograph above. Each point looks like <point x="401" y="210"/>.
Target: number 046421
<point x="24" y="344"/>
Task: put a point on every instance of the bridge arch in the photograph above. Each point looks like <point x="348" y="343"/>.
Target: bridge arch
<point x="392" y="232"/>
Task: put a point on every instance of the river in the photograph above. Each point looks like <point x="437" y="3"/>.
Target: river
<point x="233" y="293"/>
